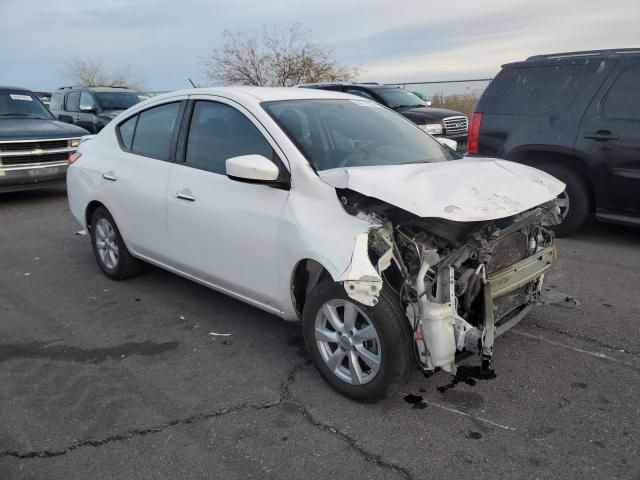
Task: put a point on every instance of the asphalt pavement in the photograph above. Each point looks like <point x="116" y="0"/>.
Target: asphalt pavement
<point x="102" y="379"/>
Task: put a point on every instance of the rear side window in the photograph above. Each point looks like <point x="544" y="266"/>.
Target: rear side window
<point x="126" y="131"/>
<point x="56" y="101"/>
<point x="73" y="101"/>
<point x="623" y="99"/>
<point x="540" y="90"/>
<point x="219" y="132"/>
<point x="154" y="131"/>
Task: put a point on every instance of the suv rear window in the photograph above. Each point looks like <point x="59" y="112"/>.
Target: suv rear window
<point x="56" y="101"/>
<point x="540" y="90"/>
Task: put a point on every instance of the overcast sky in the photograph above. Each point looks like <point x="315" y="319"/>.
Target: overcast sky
<point x="392" y="41"/>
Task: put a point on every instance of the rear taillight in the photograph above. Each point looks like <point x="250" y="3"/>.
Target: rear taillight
<point x="474" y="133"/>
<point x="74" y="157"/>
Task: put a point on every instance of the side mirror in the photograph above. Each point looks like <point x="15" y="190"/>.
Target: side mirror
<point x="447" y="142"/>
<point x="253" y="169"/>
<point x="87" y="109"/>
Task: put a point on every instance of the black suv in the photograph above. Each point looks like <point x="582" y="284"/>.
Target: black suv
<point x="91" y="107"/>
<point x="575" y="115"/>
<point x="439" y="122"/>
<point x="34" y="146"/>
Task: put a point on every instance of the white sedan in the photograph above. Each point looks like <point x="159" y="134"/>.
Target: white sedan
<point x="392" y="249"/>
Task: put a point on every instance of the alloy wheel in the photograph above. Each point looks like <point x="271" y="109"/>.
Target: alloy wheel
<point x="348" y="342"/>
<point x="107" y="243"/>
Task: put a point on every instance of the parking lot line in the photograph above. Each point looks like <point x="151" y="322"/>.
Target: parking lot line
<point x="468" y="415"/>
<point x="575" y="349"/>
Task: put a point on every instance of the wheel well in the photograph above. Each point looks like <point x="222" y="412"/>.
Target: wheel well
<point x="538" y="158"/>
<point x="92" y="207"/>
<point x="307" y="274"/>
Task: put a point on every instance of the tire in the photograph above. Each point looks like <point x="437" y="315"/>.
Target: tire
<point x="392" y="346"/>
<point x="577" y="197"/>
<point x="109" y="249"/>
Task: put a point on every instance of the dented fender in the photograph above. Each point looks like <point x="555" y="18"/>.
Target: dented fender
<point x="361" y="279"/>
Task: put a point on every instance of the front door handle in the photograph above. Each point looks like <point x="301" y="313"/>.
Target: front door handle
<point x="109" y="176"/>
<point x="185" y="196"/>
<point x="601" y="135"/>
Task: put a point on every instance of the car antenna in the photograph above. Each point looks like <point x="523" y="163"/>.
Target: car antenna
<point x="191" y="82"/>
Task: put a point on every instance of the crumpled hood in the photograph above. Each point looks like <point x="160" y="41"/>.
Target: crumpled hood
<point x="465" y="190"/>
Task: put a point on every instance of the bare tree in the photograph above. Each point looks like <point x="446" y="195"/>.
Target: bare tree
<point x="276" y="56"/>
<point x="93" y="73"/>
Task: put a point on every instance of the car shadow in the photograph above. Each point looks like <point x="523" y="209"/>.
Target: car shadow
<point x="32" y="195"/>
<point x="604" y="232"/>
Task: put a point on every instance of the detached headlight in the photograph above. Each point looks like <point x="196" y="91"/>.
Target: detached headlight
<point x="432" y="128"/>
<point x="74" y="142"/>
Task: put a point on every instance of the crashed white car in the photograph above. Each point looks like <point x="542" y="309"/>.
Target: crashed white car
<point x="320" y="206"/>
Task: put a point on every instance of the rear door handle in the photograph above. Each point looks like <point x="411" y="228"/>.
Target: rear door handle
<point x="109" y="176"/>
<point x="601" y="135"/>
<point x="185" y="196"/>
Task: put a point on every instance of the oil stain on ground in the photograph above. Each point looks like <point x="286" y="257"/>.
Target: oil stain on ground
<point x="416" y="400"/>
<point x="66" y="353"/>
<point x="468" y="375"/>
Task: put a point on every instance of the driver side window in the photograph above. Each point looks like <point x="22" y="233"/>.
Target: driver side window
<point x="86" y="100"/>
<point x="218" y="132"/>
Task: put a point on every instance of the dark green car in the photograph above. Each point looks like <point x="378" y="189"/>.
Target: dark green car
<point x="34" y="146"/>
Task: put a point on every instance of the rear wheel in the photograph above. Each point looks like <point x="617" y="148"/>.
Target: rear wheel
<point x="109" y="249"/>
<point x="574" y="202"/>
<point x="363" y="352"/>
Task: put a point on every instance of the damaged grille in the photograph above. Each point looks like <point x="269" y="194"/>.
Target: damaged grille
<point x="506" y="303"/>
<point x="507" y="251"/>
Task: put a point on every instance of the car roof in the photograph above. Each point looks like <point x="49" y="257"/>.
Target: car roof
<point x="97" y="89"/>
<point x="261" y="94"/>
<point x="6" y="88"/>
<point x="578" y="56"/>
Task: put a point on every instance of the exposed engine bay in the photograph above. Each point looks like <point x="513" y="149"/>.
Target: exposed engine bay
<point x="461" y="284"/>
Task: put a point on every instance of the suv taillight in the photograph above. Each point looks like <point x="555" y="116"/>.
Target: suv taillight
<point x="474" y="133"/>
<point x="74" y="157"/>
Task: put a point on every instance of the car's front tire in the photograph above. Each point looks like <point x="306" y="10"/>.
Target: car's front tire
<point x="109" y="249"/>
<point x="363" y="352"/>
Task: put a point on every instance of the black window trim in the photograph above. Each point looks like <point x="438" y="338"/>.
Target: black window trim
<point x="172" y="148"/>
<point x="284" y="180"/>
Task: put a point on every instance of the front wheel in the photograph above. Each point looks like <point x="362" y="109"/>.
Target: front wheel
<point x="363" y="352"/>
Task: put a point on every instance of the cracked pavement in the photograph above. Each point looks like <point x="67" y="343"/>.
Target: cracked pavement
<point x="105" y="379"/>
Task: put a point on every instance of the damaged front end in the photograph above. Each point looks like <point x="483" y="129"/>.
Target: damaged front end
<point x="461" y="284"/>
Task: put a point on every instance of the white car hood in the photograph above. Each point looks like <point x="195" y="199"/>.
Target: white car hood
<point x="466" y="190"/>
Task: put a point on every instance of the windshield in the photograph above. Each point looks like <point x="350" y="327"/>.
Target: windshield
<point x="396" y="97"/>
<point x="21" y="104"/>
<point x="117" y="100"/>
<point x="354" y="133"/>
